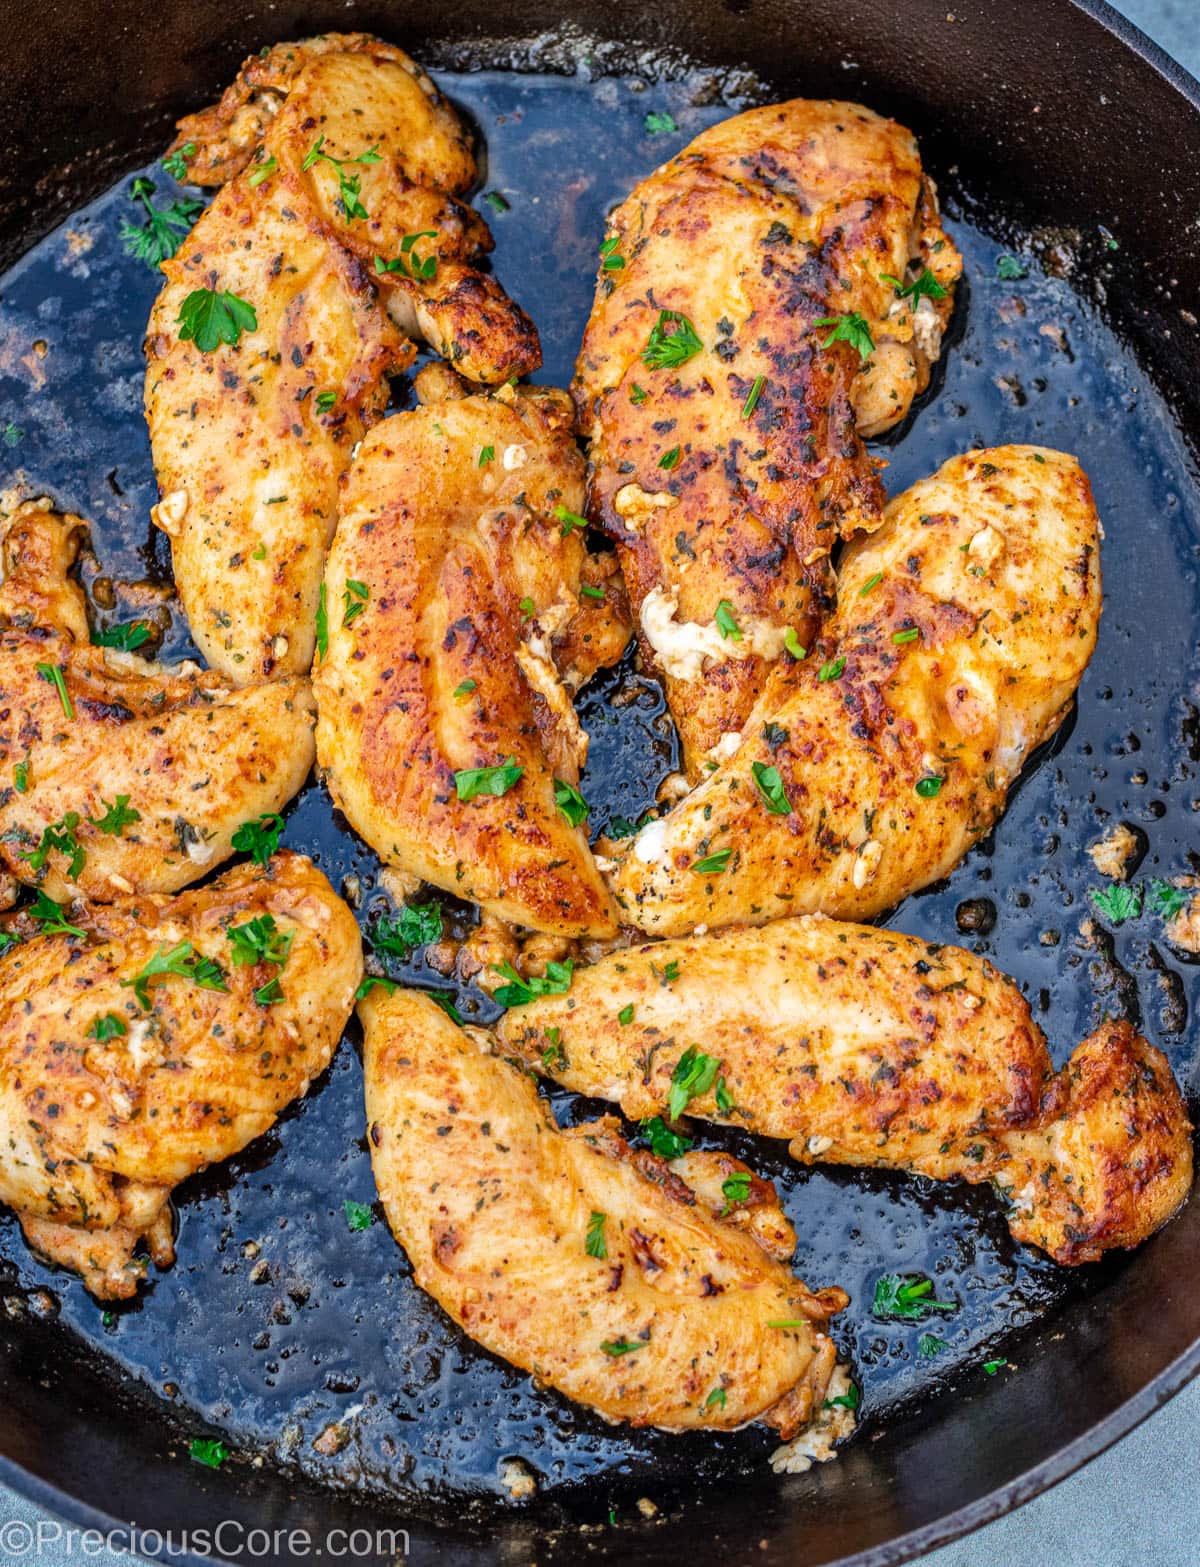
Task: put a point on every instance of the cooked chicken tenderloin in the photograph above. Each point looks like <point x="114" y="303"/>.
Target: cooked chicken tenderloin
<point x="863" y="1046"/>
<point x="570" y="1255"/>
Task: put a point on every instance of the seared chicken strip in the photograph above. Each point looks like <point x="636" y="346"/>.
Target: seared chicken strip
<point x="356" y="157"/>
<point x="462" y="612"/>
<point x="143" y="1041"/>
<point x="963" y="628"/>
<point x="722" y="419"/>
<point x="121" y="775"/>
<point x="862" y="1046"/>
<point x="569" y="1254"/>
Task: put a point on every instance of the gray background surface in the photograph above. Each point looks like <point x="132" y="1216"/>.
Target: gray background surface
<point x="1137" y="1503"/>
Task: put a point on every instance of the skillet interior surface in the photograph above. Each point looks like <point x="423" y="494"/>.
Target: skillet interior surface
<point x="277" y="1321"/>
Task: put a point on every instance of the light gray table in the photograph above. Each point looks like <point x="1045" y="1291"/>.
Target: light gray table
<point x="1137" y="1503"/>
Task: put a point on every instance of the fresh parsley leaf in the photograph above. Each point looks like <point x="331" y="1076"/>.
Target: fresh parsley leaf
<point x="923" y="286"/>
<point x="669" y="460"/>
<point x="367" y="985"/>
<point x="207" y="318"/>
<point x="160" y="236"/>
<point x="262" y="171"/>
<point x="556" y="981"/>
<point x="128" y="636"/>
<point x="181" y="960"/>
<point x="117" y="816"/>
<point x="753" y="396"/>
<point x="498" y="780"/>
<point x="930" y="786"/>
<point x="445" y="1000"/>
<point x="569" y="519"/>
<point x="850" y="328"/>
<point x="672" y="342"/>
<point x="322" y="625"/>
<point x="726" y="624"/>
<point x="611" y="259"/>
<point x="51" y="915"/>
<point x="1168" y="900"/>
<point x="992" y="1366"/>
<point x="554" y="1057"/>
<point x="209" y="1452"/>
<point x="259" y="941"/>
<point x="463" y="690"/>
<point x="259" y="838"/>
<point x="712" y="865"/>
<point x="622" y="1346"/>
<point x="486" y="455"/>
<point x="850" y="1399"/>
<point x="638" y="394"/>
<point x="906" y="1297"/>
<point x="929" y="1345"/>
<point x="1009" y="269"/>
<point x="769" y="783"/>
<point x="358" y="1215"/>
<point x="326" y="402"/>
<point x="355" y="600"/>
<point x="55" y="677"/>
<point x="625" y="1015"/>
<point x="735" y="1188"/>
<point x="659" y="124"/>
<point x="570" y="802"/>
<point x="58" y="838"/>
<point x="694" y="1075"/>
<point x="1118" y="902"/>
<point x="596" y="1246"/>
<point x="716" y="1398"/>
<point x="416" y="926"/>
<point x="270" y="994"/>
<point x="108" y="1026"/>
<point x="526" y="606"/>
<point x="624" y="827"/>
<point x="349" y="185"/>
<point x="831" y="670"/>
<point x="497" y="202"/>
<point x="909" y="634"/>
<point x="21" y="777"/>
<point x="792" y="642"/>
<point x="175" y="163"/>
<point x="588" y="592"/>
<point x="724" y="1100"/>
<point x="663" y="1141"/>
<point x="871" y="582"/>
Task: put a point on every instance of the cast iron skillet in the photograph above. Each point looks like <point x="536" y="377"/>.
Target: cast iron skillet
<point x="1051" y="129"/>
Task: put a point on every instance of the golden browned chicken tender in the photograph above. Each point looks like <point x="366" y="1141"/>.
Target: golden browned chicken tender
<point x="962" y="631"/>
<point x="867" y="1047"/>
<point x="119" y="775"/>
<point x="344" y="237"/>
<point x="569" y="1254"/>
<point x="721" y="416"/>
<point x="461" y="616"/>
<point x="142" y="1041"/>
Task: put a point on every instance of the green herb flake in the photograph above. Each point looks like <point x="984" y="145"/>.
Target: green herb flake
<point x="992" y="1366"/>
<point x="726" y="624"/>
<point x="270" y="994"/>
<point x="906" y="1297"/>
<point x="716" y="1399"/>
<point x="850" y="328"/>
<point x="51" y="916"/>
<point x="326" y="401"/>
<point x="930" y="786"/>
<point x="622" y="1346"/>
<point x="107" y="1026"/>
<point x="259" y="838"/>
<point x="349" y="185"/>
<point x="181" y="960"/>
<point x="55" y="677"/>
<point x="850" y="1399"/>
<point x="769" y="783"/>
<point x="923" y="286"/>
<point x="128" y="636"/>
<point x="831" y="670"/>
<point x="354" y="600"/>
<point x="753" y="396"/>
<point x="664" y="1142"/>
<point x="625" y="1015"/>
<point x="175" y="163"/>
<point x="1168" y="900"/>
<point x="595" y="1244"/>
<point x="519" y="991"/>
<point x="117" y="816"/>
<point x="358" y="1215"/>
<point x="659" y="123"/>
<point x="1117" y="902"/>
<point x="570" y="802"/>
<point x="638" y="394"/>
<point x="1009" y="269"/>
<point x="669" y="460"/>
<point x="486" y="455"/>
<point x="672" y="342"/>
<point x="262" y="171"/>
<point x="259" y="940"/>
<point x="417" y="925"/>
<point x="569" y="519"/>
<point x="792" y="643"/>
<point x="929" y="1346"/>
<point x="207" y="318"/>
<point x="58" y="838"/>
<point x="158" y="238"/>
<point x="21" y="777"/>
<point x="713" y="864"/>
<point x="208" y="1451"/>
<point x="322" y="625"/>
<point x="472" y="781"/>
<point x="871" y="582"/>
<point x="694" y="1075"/>
<point x="463" y="690"/>
<point x="497" y="202"/>
<point x="735" y="1188"/>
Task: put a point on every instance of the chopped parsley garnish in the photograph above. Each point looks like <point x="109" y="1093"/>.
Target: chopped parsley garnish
<point x="358" y="1215"/>
<point x="209" y="1452"/>
<point x="416" y="925"/>
<point x="463" y="690"/>
<point x="554" y="1057"/>
<point x="625" y="1015"/>
<point x="349" y="185"/>
<point x="596" y="1246"/>
<point x="923" y="286"/>
<point x="717" y="1398"/>
<point x="259" y="941"/>
<point x="21" y="777"/>
<point x="726" y="624"/>
<point x="871" y="582"/>
<point x="850" y="1399"/>
<point x="498" y="780"/>
<point x="849" y="328"/>
<point x="929" y="1345"/>
<point x="735" y="1188"/>
<point x="117" y="816"/>
<point x="486" y="455"/>
<point x="672" y="342"/>
<point x="659" y="124"/>
<point x="259" y="838"/>
<point x="108" y="1026"/>
<point x="175" y="163"/>
<point x="526" y="606"/>
<point x="55" y="677"/>
<point x="326" y="401"/>
<point x="622" y="1346"/>
<point x="368" y="984"/>
<point x="907" y="1297"/>
<point x="638" y="394"/>
<point x="992" y="1366"/>
<point x="270" y="994"/>
<point x="1118" y="903"/>
<point x="445" y="1000"/>
<point x="909" y="634"/>
<point x="182" y="960"/>
<point x="160" y="236"/>
<point x="322" y="624"/>
<point x="930" y="786"/>
<point x="792" y="643"/>
<point x="556" y="981"/>
<point x="207" y="318"/>
<point x="611" y="259"/>
<point x="1166" y="899"/>
<point x="58" y="838"/>
<point x="569" y="519"/>
<point x="831" y="670"/>
<point x="355" y="600"/>
<point x="663" y="1141"/>
<point x="128" y="636"/>
<point x="590" y="592"/>
<point x="669" y="460"/>
<point x="694" y="1075"/>
<point x="262" y="171"/>
<point x="497" y="202"/>
<point x="753" y="396"/>
<point x="721" y="1094"/>
<point x="1009" y="269"/>
<point x="770" y="788"/>
<point x="51" y="915"/>
<point x="570" y="802"/>
<point x="713" y="864"/>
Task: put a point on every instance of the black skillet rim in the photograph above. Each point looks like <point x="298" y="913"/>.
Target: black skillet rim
<point x="1005" y="1498"/>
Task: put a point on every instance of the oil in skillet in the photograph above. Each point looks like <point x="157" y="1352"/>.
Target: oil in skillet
<point x="277" y="1319"/>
